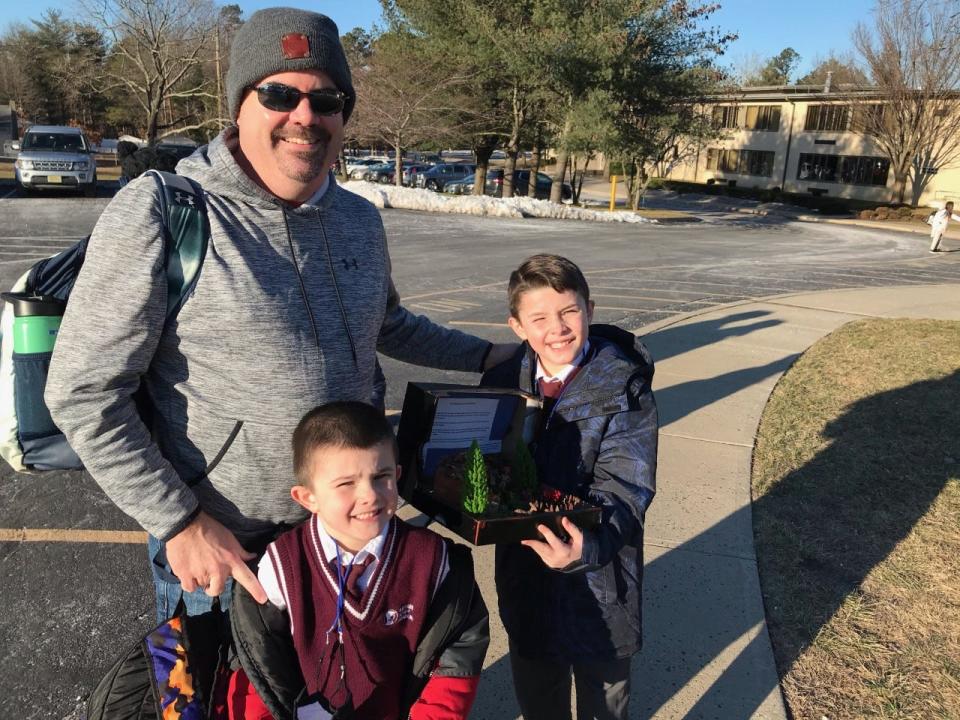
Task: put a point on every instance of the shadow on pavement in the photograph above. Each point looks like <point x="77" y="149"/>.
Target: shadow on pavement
<point x="675" y="340"/>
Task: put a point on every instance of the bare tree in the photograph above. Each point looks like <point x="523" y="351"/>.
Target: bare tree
<point x="406" y="95"/>
<point x="157" y="50"/>
<point x="912" y="112"/>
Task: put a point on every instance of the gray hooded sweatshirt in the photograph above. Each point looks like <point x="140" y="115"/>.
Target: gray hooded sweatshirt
<point x="288" y="312"/>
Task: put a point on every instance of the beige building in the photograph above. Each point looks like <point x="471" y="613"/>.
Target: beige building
<point x="798" y="139"/>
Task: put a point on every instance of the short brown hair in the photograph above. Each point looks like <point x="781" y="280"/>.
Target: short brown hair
<point x="545" y="270"/>
<point x="342" y="424"/>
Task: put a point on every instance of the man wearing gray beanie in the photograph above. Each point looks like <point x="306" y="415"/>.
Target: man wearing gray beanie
<point x="293" y="301"/>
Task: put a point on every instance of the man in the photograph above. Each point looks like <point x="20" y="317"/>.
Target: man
<point x="938" y="225"/>
<point x="294" y="299"/>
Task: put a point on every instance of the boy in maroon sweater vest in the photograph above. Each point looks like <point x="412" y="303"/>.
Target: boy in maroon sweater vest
<point x="361" y="590"/>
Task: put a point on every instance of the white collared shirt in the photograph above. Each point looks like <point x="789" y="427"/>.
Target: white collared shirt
<point x="564" y="372"/>
<point x="318" y="195"/>
<point x="267" y="575"/>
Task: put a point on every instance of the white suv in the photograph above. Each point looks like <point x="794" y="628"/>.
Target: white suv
<point x="53" y="156"/>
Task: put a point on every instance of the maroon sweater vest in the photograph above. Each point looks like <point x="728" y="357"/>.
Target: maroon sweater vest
<point x="380" y="633"/>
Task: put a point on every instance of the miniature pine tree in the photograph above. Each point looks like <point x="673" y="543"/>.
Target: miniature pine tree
<point x="475" y="486"/>
<point x="524" y="470"/>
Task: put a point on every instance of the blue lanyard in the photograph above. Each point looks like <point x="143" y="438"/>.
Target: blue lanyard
<point x="337" y="623"/>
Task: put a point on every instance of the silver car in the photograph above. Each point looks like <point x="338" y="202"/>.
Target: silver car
<point x="54" y="156"/>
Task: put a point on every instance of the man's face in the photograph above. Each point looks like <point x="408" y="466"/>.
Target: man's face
<point x="353" y="491"/>
<point x="289" y="153"/>
<point x="555" y="324"/>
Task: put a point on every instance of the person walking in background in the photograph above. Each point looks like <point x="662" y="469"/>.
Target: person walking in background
<point x="938" y="225"/>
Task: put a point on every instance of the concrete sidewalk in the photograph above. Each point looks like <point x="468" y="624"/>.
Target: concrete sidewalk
<point x="707" y="653"/>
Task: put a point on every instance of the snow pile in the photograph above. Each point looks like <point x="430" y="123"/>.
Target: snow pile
<point x="404" y="198"/>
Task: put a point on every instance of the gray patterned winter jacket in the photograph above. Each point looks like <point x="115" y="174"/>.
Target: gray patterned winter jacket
<point x="289" y="310"/>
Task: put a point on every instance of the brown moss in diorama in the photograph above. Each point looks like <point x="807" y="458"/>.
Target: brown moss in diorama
<point x="491" y="486"/>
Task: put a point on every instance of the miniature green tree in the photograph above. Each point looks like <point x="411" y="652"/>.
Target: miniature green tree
<point x="475" y="485"/>
<point x="523" y="469"/>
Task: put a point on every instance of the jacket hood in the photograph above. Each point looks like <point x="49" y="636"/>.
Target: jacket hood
<point x="216" y="169"/>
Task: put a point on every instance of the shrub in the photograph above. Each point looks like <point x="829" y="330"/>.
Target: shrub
<point x="867" y="215"/>
<point x="882" y="213"/>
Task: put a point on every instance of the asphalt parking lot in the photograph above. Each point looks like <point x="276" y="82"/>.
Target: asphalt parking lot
<point x="74" y="598"/>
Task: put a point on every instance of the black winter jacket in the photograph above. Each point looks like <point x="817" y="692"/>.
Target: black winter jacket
<point x="600" y="444"/>
<point x="455" y="635"/>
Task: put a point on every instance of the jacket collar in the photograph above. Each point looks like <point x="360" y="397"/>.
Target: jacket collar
<point x="603" y="386"/>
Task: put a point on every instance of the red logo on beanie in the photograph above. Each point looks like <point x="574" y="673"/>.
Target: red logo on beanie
<point x="295" y="45"/>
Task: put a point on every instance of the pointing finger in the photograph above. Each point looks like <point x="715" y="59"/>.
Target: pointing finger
<point x="243" y="575"/>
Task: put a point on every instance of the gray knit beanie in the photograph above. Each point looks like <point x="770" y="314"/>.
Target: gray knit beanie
<point x="278" y="40"/>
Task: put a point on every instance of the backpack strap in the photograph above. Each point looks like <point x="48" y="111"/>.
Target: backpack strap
<point x="186" y="230"/>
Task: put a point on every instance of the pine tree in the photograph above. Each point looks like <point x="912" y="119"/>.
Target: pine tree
<point x="475" y="485"/>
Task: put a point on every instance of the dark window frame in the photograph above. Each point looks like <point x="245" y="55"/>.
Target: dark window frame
<point x="859" y="170"/>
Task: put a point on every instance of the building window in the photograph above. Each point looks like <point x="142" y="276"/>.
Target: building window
<point x="846" y="169"/>
<point x="763" y="117"/>
<point x="741" y="162"/>
<point x="725" y="116"/>
<point x="827" y="118"/>
<point x="747" y="117"/>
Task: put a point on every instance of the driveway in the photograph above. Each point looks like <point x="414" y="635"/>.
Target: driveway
<point x="75" y="598"/>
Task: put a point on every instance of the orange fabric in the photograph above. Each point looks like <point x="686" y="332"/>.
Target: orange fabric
<point x="243" y="703"/>
<point x="446" y="698"/>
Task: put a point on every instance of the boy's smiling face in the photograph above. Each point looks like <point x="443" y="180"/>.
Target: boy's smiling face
<point x="556" y="324"/>
<point x="353" y="491"/>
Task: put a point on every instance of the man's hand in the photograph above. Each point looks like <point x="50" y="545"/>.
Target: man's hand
<point x="204" y="554"/>
<point x="554" y="552"/>
<point x="499" y="353"/>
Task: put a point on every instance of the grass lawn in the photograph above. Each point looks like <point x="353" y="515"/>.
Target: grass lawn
<point x="856" y="486"/>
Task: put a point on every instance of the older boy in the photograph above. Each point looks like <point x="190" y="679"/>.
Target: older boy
<point x="385" y="619"/>
<point x="572" y="605"/>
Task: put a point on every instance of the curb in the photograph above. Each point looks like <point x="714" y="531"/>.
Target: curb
<point x="849" y="222"/>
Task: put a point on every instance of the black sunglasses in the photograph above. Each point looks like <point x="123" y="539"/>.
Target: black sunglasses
<point x="283" y="98"/>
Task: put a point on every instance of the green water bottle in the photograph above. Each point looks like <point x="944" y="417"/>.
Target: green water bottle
<point x="36" y="321"/>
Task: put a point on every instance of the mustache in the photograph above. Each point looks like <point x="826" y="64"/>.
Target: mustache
<point x="316" y="134"/>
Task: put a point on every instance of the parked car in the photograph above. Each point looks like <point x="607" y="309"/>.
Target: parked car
<point x="386" y="173"/>
<point x="521" y="185"/>
<point x="372" y="173"/>
<point x="437" y="177"/>
<point x="354" y="164"/>
<point x="54" y="156"/>
<point x="410" y="172"/>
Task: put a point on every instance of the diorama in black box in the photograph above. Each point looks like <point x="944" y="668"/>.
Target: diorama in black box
<point x="466" y="463"/>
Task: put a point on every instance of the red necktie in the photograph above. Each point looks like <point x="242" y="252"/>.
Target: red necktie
<point x="550" y="388"/>
<point x="354" y="572"/>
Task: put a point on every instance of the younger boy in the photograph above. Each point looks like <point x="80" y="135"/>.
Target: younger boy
<point x="572" y="605"/>
<point x="382" y="619"/>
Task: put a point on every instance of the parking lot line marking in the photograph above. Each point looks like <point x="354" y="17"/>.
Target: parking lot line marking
<point x="126" y="537"/>
<point x="626" y="309"/>
<point x="655" y="299"/>
<point x="27" y="238"/>
<point x="477" y="324"/>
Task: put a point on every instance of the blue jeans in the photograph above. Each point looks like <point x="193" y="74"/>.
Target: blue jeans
<point x="169" y="591"/>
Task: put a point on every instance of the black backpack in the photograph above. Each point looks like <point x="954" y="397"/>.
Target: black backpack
<point x="29" y="440"/>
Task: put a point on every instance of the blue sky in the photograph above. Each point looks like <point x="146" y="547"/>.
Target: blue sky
<point x="812" y="27"/>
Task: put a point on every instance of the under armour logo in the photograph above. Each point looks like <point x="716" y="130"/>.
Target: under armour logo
<point x="346" y="263"/>
<point x="182" y="198"/>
